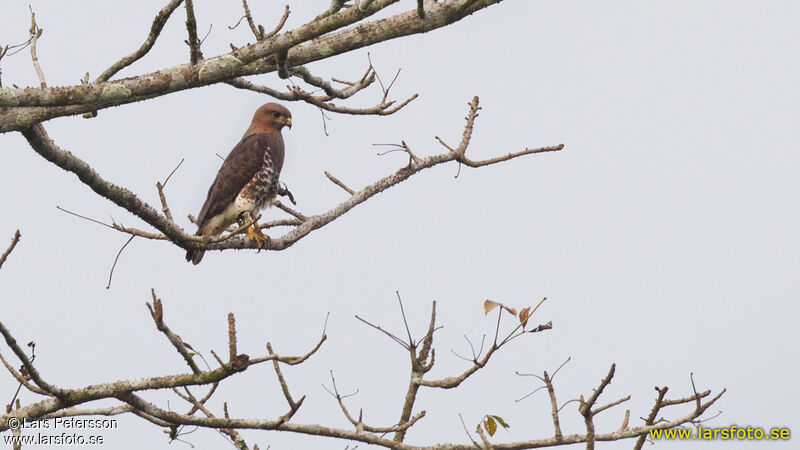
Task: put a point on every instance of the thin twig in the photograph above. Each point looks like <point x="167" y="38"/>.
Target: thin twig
<point x="600" y="409"/>
<point x="294" y="360"/>
<point x="199" y="405"/>
<point x="14" y="241"/>
<point x="191" y="26"/>
<point x="339" y="183"/>
<point x="232" y="352"/>
<point x="23" y="381"/>
<point x="336" y="5"/>
<point x="28" y="364"/>
<point x="157" y="312"/>
<point x="111" y="273"/>
<point x="36" y="33"/>
<point x="405" y="319"/>
<point x="467" y="431"/>
<point x="405" y="345"/>
<point x="172" y="173"/>
<point x="160" y="187"/>
<point x="553" y="404"/>
<point x="259" y="34"/>
<point x="293" y="405"/>
<point x="278" y="27"/>
<point x="155" y="31"/>
<point x="300" y="216"/>
<point x="85" y="218"/>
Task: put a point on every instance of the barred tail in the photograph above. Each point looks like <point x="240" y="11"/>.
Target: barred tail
<point x="195" y="256"/>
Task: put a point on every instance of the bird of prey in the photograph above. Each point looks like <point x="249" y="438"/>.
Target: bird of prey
<point x="247" y="180"/>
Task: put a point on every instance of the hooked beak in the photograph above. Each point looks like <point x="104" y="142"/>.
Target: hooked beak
<point x="288" y="122"/>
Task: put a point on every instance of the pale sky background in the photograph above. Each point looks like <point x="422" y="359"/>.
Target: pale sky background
<point x="664" y="235"/>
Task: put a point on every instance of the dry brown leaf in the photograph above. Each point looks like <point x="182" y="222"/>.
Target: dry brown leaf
<point x="524" y="315"/>
<point x="489" y="305"/>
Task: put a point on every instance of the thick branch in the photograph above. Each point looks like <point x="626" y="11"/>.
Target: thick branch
<point x="125" y="391"/>
<point x="39" y="140"/>
<point x="420" y="365"/>
<point x="249" y="60"/>
<point x="319" y="430"/>
<point x="42" y="144"/>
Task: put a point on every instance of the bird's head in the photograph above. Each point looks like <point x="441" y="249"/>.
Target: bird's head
<point x="271" y="115"/>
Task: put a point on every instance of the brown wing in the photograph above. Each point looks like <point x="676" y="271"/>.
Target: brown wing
<point x="238" y="169"/>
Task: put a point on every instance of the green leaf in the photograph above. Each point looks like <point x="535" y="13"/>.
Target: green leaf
<point x="501" y="422"/>
<point x="490" y="425"/>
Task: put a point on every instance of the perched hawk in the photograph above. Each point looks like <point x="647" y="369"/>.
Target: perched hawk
<point x="248" y="179"/>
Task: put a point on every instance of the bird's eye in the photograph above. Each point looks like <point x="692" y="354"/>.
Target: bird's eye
<point x="276" y="114"/>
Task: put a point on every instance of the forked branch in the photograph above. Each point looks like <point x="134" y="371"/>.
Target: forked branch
<point x="60" y="402"/>
<point x="341" y="29"/>
<point x="169" y="230"/>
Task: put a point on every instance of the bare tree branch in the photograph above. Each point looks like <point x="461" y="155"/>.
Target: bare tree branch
<point x="420" y="365"/>
<point x="336" y="5"/>
<point x="313" y="41"/>
<point x="336" y="181"/>
<point x="116" y="258"/>
<point x="293" y="405"/>
<point x="155" y="31"/>
<point x="42" y="144"/>
<point x="383" y="108"/>
<point x="14" y="241"/>
<point x="199" y="405"/>
<point x="157" y="312"/>
<point x="191" y="27"/>
<point x="26" y="362"/>
<point x="278" y="27"/>
<point x="341" y="28"/>
<point x="258" y="33"/>
<point x="67" y="402"/>
<point x="36" y="33"/>
<point x="162" y="197"/>
<point x="553" y="405"/>
<point x="23" y="380"/>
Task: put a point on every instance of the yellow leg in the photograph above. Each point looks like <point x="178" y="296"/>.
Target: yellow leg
<point x="255" y="234"/>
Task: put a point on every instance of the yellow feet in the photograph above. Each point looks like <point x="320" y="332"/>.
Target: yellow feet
<point x="255" y="234"/>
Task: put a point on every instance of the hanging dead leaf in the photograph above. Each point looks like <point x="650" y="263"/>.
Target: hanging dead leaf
<point x="489" y="305"/>
<point x="511" y="311"/>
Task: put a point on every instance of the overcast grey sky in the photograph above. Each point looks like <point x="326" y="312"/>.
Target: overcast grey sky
<point x="664" y="235"/>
